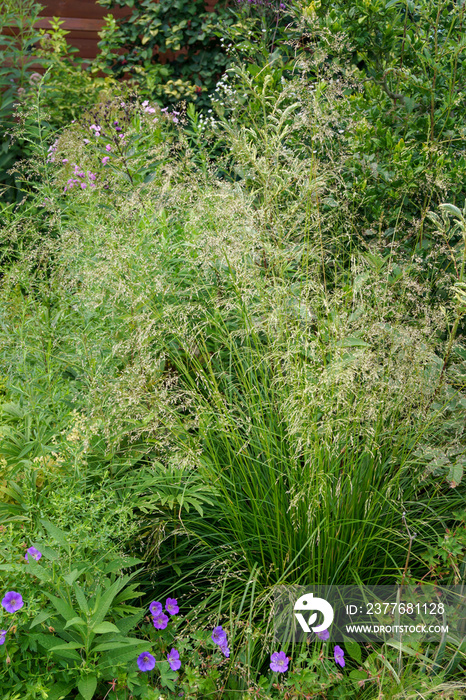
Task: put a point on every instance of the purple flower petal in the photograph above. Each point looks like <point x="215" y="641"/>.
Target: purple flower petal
<point x="339" y="655"/>
<point x="145" y="661"/>
<point x="324" y="635"/>
<point x="279" y="662"/>
<point x="160" y="621"/>
<point x="219" y="636"/>
<point x="155" y="608"/>
<point x="225" y="650"/>
<point x="12" y="601"/>
<point x="171" y="606"/>
<point x="2" y="637"/>
<point x="174" y="660"/>
<point x="35" y="554"/>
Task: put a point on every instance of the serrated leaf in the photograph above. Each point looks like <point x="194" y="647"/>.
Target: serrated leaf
<point x="128" y="623"/>
<point x="81" y="598"/>
<point x="106" y="600"/>
<point x="35" y="569"/>
<point x="41" y="617"/>
<point x="56" y="533"/>
<point x="61" y="606"/>
<point x="47" y="552"/>
<point x="87" y="686"/>
<point x="354" y="650"/>
<point x="71" y="577"/>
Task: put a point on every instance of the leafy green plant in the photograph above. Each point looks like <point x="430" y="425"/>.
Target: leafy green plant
<point x="18" y="72"/>
<point x="68" y="88"/>
<point x="133" y="46"/>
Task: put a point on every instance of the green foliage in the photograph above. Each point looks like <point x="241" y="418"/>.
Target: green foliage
<point x="205" y="44"/>
<point x="17" y="72"/>
<point x="68" y="87"/>
<point x="132" y="46"/>
<point x="238" y="353"/>
<point x="83" y="632"/>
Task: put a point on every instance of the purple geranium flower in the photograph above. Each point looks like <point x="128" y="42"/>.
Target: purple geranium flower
<point x="12" y="601"/>
<point x="105" y="160"/>
<point x="108" y="147"/>
<point x="225" y="650"/>
<point x="35" y="554"/>
<point x="160" y="621"/>
<point x="324" y="635"/>
<point x="155" y="608"/>
<point x="279" y="662"/>
<point x="174" y="660"/>
<point x="339" y="655"/>
<point x="219" y="636"/>
<point x="145" y="661"/>
<point x="2" y="637"/>
<point x="171" y="606"/>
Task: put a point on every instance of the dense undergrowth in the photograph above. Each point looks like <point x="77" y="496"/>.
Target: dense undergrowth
<point x="232" y="356"/>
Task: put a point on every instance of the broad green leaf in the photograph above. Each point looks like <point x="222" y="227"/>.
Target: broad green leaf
<point x="451" y="209"/>
<point x="87" y="686"/>
<point x="56" y="533"/>
<point x="122" y="656"/>
<point x="34" y="568"/>
<point x="354" y="650"/>
<point x="81" y="598"/>
<point x="455" y="474"/>
<point x="71" y="578"/>
<point x="75" y="622"/>
<point x="60" y="691"/>
<point x="47" y="552"/>
<point x="67" y="646"/>
<point x="118" y="644"/>
<point x="105" y="628"/>
<point x="41" y="617"/>
<point x="61" y="606"/>
<point x="358" y="675"/>
<point x="352" y="343"/>
<point x="106" y="600"/>
<point x="126" y="624"/>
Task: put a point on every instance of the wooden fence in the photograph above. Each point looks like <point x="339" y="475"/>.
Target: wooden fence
<point x="84" y="19"/>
